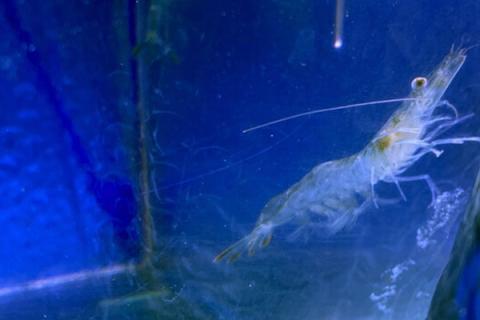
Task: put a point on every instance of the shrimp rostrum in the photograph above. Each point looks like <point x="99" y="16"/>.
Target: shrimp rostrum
<point x="334" y="193"/>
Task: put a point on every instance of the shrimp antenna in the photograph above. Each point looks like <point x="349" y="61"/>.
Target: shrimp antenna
<point x="308" y="113"/>
<point x="472" y="47"/>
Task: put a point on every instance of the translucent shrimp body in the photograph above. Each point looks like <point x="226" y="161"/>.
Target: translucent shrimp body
<point x="334" y="193"/>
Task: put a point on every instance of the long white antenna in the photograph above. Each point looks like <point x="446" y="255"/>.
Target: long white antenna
<point x="303" y="114"/>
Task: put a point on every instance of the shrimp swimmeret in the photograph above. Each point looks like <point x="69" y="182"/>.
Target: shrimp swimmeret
<point x="336" y="192"/>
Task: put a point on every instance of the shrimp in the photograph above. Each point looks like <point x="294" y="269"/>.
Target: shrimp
<point x="334" y="193"/>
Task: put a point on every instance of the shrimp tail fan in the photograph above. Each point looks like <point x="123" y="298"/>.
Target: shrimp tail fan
<point x="259" y="238"/>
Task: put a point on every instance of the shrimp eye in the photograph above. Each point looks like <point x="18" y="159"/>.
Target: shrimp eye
<point x="419" y="82"/>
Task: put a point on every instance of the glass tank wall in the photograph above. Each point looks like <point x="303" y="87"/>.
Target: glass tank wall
<point x="127" y="166"/>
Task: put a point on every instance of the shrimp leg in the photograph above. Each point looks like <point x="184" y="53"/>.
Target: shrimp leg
<point x="450" y="106"/>
<point x="395" y="180"/>
<point x="459" y="140"/>
<point x="446" y="126"/>
<point x="427" y="179"/>
<point x="426" y="147"/>
<point x="372" y="187"/>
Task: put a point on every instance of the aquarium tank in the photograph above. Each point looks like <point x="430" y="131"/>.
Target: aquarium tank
<point x="239" y="159"/>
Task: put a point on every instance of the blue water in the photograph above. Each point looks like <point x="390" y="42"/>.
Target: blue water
<point x="61" y="150"/>
<point x="70" y="156"/>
